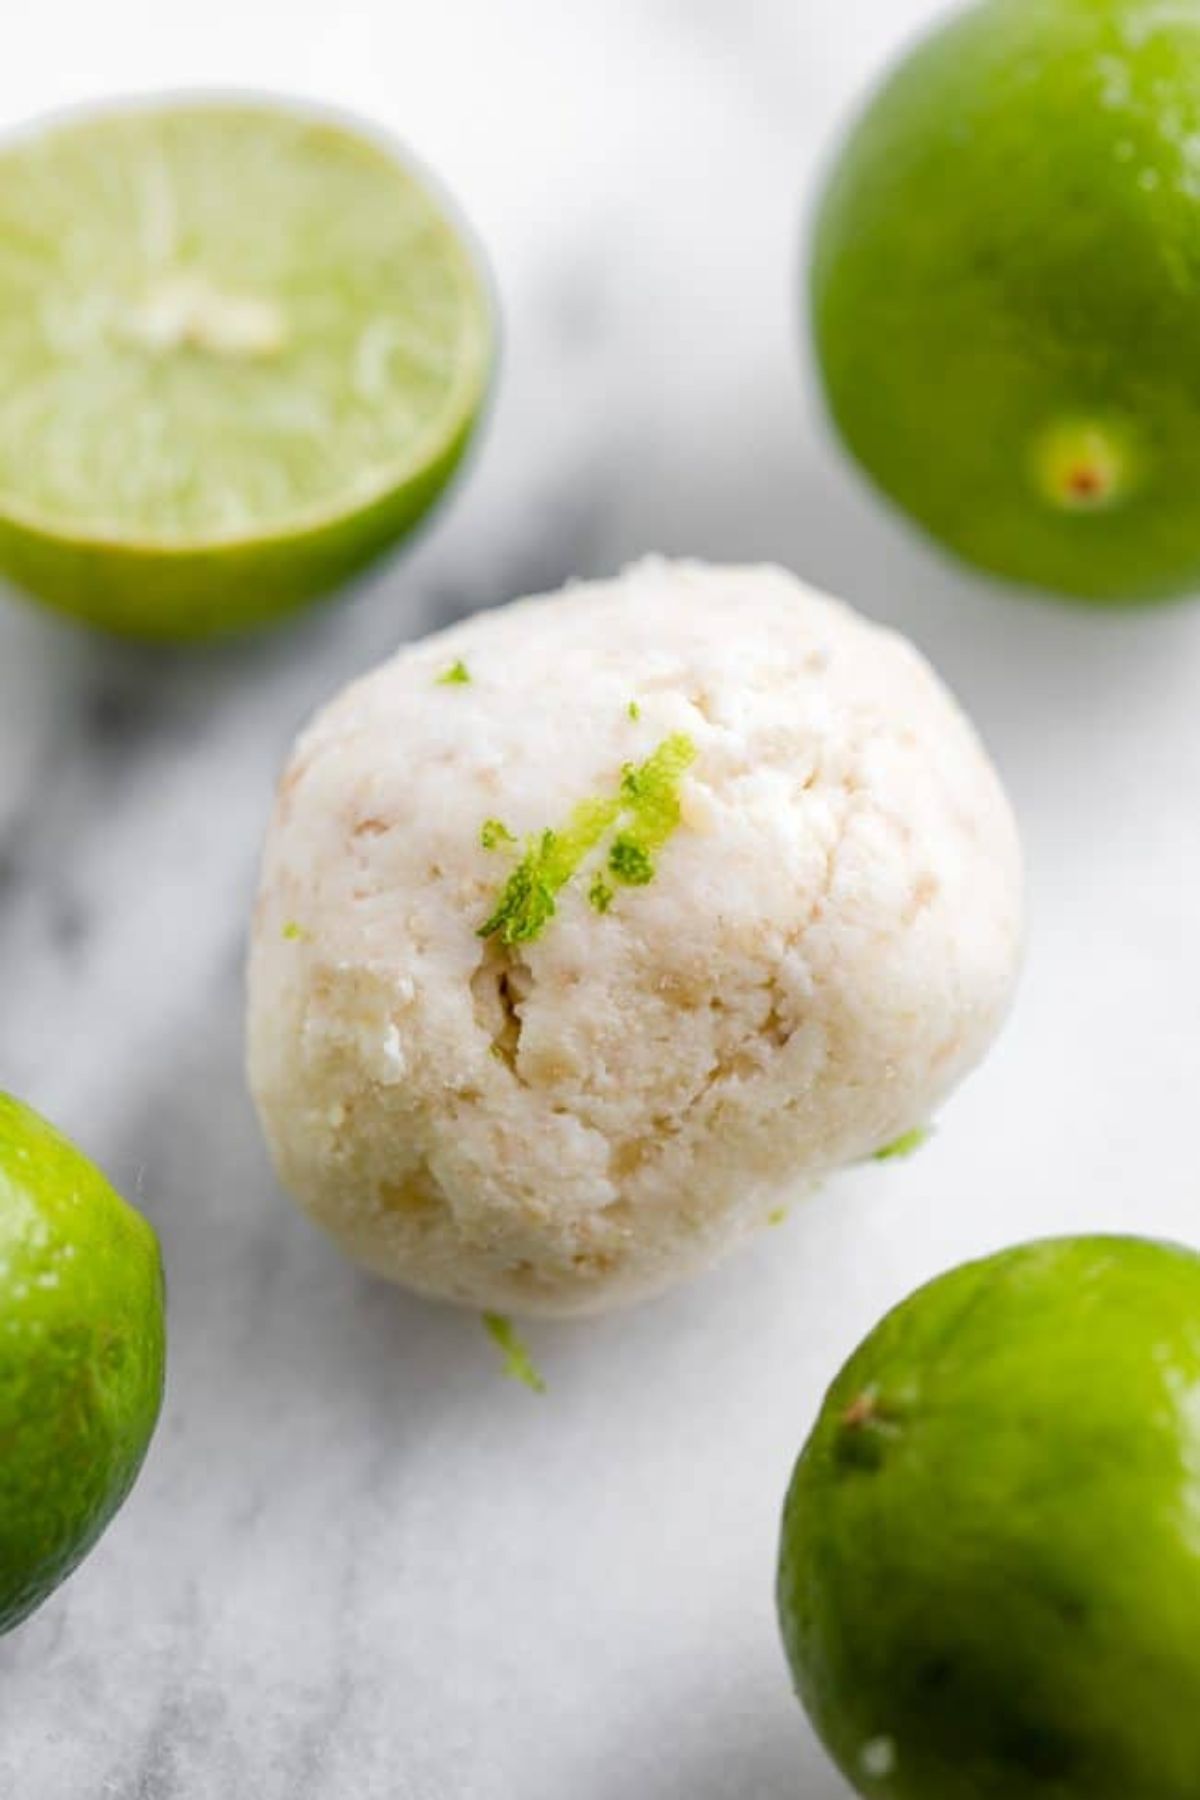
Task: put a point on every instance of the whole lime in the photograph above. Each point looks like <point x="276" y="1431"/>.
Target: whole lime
<point x="81" y="1356"/>
<point x="1006" y="292"/>
<point x="243" y="348"/>
<point x="989" y="1579"/>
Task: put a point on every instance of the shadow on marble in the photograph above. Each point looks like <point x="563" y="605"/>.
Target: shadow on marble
<point x="266" y="1314"/>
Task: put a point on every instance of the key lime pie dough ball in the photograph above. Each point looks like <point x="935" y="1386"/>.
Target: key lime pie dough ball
<point x="777" y="919"/>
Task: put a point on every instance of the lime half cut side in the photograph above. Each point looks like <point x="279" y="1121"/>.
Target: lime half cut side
<point x="242" y="350"/>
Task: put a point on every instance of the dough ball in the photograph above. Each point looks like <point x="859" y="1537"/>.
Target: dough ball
<point x="595" y="928"/>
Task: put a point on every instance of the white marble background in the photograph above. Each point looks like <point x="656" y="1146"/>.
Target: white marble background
<point x="359" y="1566"/>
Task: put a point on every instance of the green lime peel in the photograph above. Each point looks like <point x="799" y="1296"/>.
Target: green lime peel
<point x="907" y="1145"/>
<point x="646" y="807"/>
<point x="518" y="1365"/>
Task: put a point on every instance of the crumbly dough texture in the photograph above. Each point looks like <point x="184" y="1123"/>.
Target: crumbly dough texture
<point x="829" y="943"/>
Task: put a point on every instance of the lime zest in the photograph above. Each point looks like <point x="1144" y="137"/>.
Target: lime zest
<point x="905" y="1145"/>
<point x="650" y="791"/>
<point x="647" y="805"/>
<point x="600" y="895"/>
<point x="294" y="932"/>
<point x="529" y="899"/>
<point x="493" y="833"/>
<point x="778" y="1216"/>
<point x="634" y="711"/>
<point x="629" y="863"/>
<point x="457" y="675"/>
<point x="518" y="1365"/>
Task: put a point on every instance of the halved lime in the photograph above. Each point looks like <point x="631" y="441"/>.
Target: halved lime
<point x="242" y="349"/>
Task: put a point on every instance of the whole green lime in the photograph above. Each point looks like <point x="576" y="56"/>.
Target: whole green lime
<point x="989" y="1579"/>
<point x="1006" y="292"/>
<point x="81" y="1356"/>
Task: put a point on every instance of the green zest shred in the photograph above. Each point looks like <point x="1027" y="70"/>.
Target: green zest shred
<point x="650" y="794"/>
<point x="529" y="898"/>
<point x="650" y="790"/>
<point x="293" y="932"/>
<point x="629" y="863"/>
<point x="634" y="710"/>
<point x="493" y="833"/>
<point x="600" y="895"/>
<point x="905" y="1146"/>
<point x="457" y="675"/>
<point x="646" y="807"/>
<point x="518" y="1364"/>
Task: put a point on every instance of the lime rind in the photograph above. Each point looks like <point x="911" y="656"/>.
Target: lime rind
<point x="1016" y="209"/>
<point x="989" y="1568"/>
<point x="648" y="809"/>
<point x="81" y="1357"/>
<point x="516" y="1362"/>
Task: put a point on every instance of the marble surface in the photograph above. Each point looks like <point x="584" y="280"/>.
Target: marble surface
<point x="359" y="1565"/>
